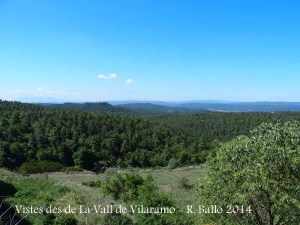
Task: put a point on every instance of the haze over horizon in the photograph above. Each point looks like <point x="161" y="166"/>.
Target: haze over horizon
<point x="128" y="101"/>
<point x="95" y="51"/>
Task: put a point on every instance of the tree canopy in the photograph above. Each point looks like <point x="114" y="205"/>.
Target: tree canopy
<point x="30" y="132"/>
<point x="261" y="171"/>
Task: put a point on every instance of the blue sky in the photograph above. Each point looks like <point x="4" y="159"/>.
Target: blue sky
<point x="103" y="50"/>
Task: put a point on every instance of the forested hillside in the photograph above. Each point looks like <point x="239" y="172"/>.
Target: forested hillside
<point x="99" y="107"/>
<point x="71" y="137"/>
<point x="144" y="109"/>
<point x="222" y="126"/>
<point x="150" y="109"/>
<point x="29" y="132"/>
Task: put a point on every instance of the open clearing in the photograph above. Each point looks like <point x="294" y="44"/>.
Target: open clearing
<point x="66" y="188"/>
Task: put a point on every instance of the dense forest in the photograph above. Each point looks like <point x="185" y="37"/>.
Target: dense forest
<point x="72" y="137"/>
<point x="142" y="109"/>
<point x="205" y="125"/>
<point x="29" y="132"/>
<point x="222" y="126"/>
<point x="99" y="107"/>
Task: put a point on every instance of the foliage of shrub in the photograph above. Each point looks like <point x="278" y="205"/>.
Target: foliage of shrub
<point x="142" y="191"/>
<point x="261" y="171"/>
<point x="172" y="164"/>
<point x="124" y="187"/>
<point x="36" y="166"/>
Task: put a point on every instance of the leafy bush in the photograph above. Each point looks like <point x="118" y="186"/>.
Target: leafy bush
<point x="173" y="163"/>
<point x="36" y="166"/>
<point x="134" y="188"/>
<point x="260" y="172"/>
<point x="124" y="187"/>
<point x="114" y="186"/>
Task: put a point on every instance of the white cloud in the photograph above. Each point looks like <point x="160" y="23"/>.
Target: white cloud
<point x="110" y="76"/>
<point x="40" y="88"/>
<point x="101" y="76"/>
<point x="129" y="81"/>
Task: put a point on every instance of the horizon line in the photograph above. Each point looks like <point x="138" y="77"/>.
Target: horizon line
<point x="199" y="101"/>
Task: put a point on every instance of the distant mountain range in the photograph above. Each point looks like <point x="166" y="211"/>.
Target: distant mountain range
<point x="245" y="106"/>
<point x="167" y="103"/>
<point x="210" y="105"/>
<point x="99" y="107"/>
<point x="135" y="108"/>
<point x="152" y="108"/>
